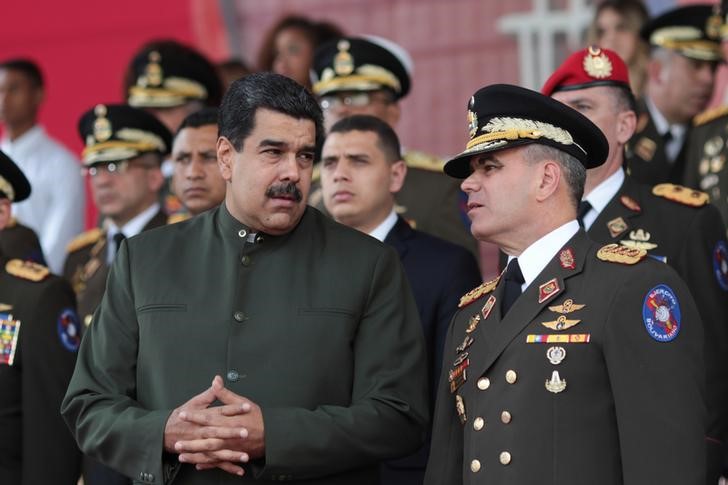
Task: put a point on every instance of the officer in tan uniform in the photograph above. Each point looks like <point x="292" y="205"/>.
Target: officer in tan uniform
<point x="39" y="335"/>
<point x="582" y="363"/>
<point x="370" y="76"/>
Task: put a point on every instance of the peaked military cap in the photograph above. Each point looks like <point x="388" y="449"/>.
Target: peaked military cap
<point x="503" y="116"/>
<point x="13" y="184"/>
<point x="692" y="31"/>
<point x="116" y="132"/>
<point x="721" y="12"/>
<point x="359" y="64"/>
<point x="587" y="68"/>
<point x="166" y="73"/>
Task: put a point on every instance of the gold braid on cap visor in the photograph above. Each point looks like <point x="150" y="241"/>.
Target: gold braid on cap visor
<point x="174" y="92"/>
<point x="6" y="188"/>
<point x="502" y="129"/>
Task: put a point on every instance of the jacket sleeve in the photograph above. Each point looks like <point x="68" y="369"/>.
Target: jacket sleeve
<point x="387" y="416"/>
<point x="48" y="355"/>
<point x="658" y="386"/>
<point x="100" y="405"/>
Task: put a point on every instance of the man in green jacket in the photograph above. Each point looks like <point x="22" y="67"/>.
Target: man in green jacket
<point x="311" y="325"/>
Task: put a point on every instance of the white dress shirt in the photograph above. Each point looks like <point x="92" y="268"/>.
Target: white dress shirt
<point x="55" y="208"/>
<point x="380" y="232"/>
<point x="536" y="256"/>
<point x="600" y="196"/>
<point x="131" y="228"/>
<point x="677" y="132"/>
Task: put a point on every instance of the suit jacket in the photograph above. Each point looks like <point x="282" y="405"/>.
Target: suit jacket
<point x="592" y="397"/>
<point x="317" y="326"/>
<point x="439" y="272"/>
<point x="87" y="270"/>
<point x="19" y="241"/>
<point x="645" y="157"/>
<point x="35" y="444"/>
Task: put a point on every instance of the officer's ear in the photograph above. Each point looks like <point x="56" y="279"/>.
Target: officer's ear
<point x="549" y="176"/>
<point x="225" y="154"/>
<point x="626" y="126"/>
<point x="398" y="172"/>
<point x="4" y="213"/>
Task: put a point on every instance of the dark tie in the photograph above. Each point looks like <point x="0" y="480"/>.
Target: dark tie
<point x="584" y="208"/>
<point x="667" y="136"/>
<point x="118" y="238"/>
<point x="514" y="280"/>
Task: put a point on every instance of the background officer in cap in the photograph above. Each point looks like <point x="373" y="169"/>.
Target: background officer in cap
<point x="370" y="76"/>
<point x="39" y="336"/>
<point x="361" y="171"/>
<point x="312" y="323"/>
<point x="197" y="180"/>
<point x="123" y="155"/>
<point x="672" y="223"/>
<point x="680" y="77"/>
<point x="707" y="148"/>
<point x="582" y="363"/>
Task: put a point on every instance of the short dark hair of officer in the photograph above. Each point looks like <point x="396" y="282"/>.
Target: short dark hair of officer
<point x="387" y="139"/>
<point x="196" y="179"/>
<point x="171" y="80"/>
<point x="683" y="59"/>
<point x="124" y="150"/>
<point x="21" y="94"/>
<point x="271" y="130"/>
<point x="525" y="164"/>
<point x="356" y="75"/>
<point x="14" y="187"/>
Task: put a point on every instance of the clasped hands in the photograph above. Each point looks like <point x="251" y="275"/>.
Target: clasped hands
<point x="216" y="437"/>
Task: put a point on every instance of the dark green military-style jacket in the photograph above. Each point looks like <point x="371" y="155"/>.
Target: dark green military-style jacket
<point x="318" y="327"/>
<point x="39" y="337"/>
<point x="594" y="376"/>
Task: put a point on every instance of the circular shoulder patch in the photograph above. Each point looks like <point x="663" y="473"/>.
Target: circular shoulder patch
<point x="720" y="264"/>
<point x="661" y="313"/>
<point x="69" y="329"/>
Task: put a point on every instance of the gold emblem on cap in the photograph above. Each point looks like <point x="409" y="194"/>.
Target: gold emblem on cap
<point x="472" y="123"/>
<point x="102" y="125"/>
<point x="713" y="24"/>
<point x="596" y="63"/>
<point x="343" y="62"/>
<point x="153" y="72"/>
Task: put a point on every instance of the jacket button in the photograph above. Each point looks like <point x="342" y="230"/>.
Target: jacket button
<point x="511" y="377"/>
<point x="239" y="316"/>
<point x="475" y="466"/>
<point x="505" y="458"/>
<point x="233" y="376"/>
<point x="245" y="260"/>
<point x="483" y="383"/>
<point x="478" y="424"/>
<point x="506" y="417"/>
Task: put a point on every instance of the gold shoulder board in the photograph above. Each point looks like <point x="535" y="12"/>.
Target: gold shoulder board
<point x="478" y="291"/>
<point x="26" y="270"/>
<point x="84" y="239"/>
<point x="616" y="253"/>
<point x="681" y="195"/>
<point x="423" y="161"/>
<point x="709" y="115"/>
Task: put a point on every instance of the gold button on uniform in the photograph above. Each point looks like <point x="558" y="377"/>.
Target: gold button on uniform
<point x="511" y="377"/>
<point x="475" y="466"/>
<point x="478" y="424"/>
<point x="483" y="383"/>
<point x="245" y="260"/>
<point x="505" y="458"/>
<point x="506" y="417"/>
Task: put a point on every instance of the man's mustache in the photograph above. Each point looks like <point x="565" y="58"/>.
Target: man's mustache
<point x="289" y="189"/>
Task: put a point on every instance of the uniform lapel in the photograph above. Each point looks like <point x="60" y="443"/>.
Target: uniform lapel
<point x="615" y="220"/>
<point x="541" y="292"/>
<point x="398" y="236"/>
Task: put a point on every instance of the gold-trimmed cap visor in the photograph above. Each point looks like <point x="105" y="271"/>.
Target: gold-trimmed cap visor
<point x="13" y="184"/>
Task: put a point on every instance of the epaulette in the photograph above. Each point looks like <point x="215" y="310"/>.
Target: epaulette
<point x="681" y="195"/>
<point x="478" y="291"/>
<point x="316" y="173"/>
<point x="616" y="253"/>
<point x="178" y="217"/>
<point x="11" y="223"/>
<point x="423" y="161"/>
<point x="709" y="115"/>
<point x="84" y="239"/>
<point x="26" y="270"/>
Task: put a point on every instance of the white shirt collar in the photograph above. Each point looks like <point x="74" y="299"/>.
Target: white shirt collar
<point x="672" y="147"/>
<point x="131" y="228"/>
<point x="22" y="145"/>
<point x="600" y="196"/>
<point x="380" y="232"/>
<point x="536" y="256"/>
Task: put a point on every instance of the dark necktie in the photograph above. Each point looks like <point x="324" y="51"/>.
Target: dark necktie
<point x="118" y="238"/>
<point x="584" y="208"/>
<point x="513" y="281"/>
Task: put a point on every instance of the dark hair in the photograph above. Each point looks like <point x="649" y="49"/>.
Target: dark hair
<point x="271" y="91"/>
<point x="29" y="68"/>
<point x="234" y="64"/>
<point x="204" y="117"/>
<point x="386" y="137"/>
<point x="316" y="32"/>
<point x="633" y="12"/>
<point x="624" y="99"/>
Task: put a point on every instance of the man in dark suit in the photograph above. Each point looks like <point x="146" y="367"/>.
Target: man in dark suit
<point x="39" y="336"/>
<point x="582" y="363"/>
<point x="361" y="171"/>
<point x="312" y="325"/>
<point x="672" y="223"/>
<point x="684" y="56"/>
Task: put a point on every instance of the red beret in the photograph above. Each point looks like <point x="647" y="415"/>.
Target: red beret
<point x="586" y="68"/>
